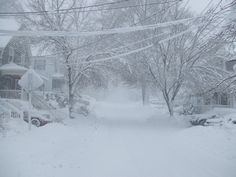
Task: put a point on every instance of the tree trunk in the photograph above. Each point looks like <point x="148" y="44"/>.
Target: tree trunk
<point x="145" y="94"/>
<point x="169" y="103"/>
<point x="70" y="94"/>
<point x="170" y="108"/>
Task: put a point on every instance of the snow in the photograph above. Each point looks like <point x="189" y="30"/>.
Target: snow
<point x="95" y="33"/>
<point x="38" y="51"/>
<point x="42" y="76"/>
<point x="13" y="68"/>
<point x="191" y="29"/>
<point x="7" y="24"/>
<point x="120" y="55"/>
<point x="142" y="48"/>
<point x="124" y="139"/>
<point x="176" y="35"/>
<point x="125" y="46"/>
<point x="58" y="75"/>
<point x="31" y="80"/>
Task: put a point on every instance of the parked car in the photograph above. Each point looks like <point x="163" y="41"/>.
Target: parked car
<point x="83" y="104"/>
<point x="38" y="118"/>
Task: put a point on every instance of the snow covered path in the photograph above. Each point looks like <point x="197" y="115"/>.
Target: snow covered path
<point x="120" y="142"/>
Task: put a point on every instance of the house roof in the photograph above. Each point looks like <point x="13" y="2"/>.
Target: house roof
<point x="7" y="24"/>
<point x="12" y="69"/>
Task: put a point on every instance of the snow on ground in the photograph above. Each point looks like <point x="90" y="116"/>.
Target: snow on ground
<point x="123" y="140"/>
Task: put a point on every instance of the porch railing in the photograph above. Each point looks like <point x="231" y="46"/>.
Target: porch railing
<point x="10" y="94"/>
<point x="205" y="108"/>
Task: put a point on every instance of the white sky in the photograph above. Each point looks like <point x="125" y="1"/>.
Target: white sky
<point x="198" y="5"/>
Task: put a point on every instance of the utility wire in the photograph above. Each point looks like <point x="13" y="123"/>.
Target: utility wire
<point x="61" y="10"/>
<point x="136" y="50"/>
<point x="121" y="30"/>
<point x="127" y="45"/>
<point x="72" y="10"/>
<point x="107" y="36"/>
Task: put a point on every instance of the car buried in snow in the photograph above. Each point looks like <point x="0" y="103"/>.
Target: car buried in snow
<point x="38" y="118"/>
<point x="83" y="105"/>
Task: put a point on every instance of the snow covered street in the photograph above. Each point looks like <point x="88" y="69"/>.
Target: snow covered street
<point x="122" y="141"/>
<point x="118" y="88"/>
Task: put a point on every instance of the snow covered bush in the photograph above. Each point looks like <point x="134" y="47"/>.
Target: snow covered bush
<point x="83" y="105"/>
<point x="188" y="109"/>
<point x="216" y="117"/>
<point x="3" y="122"/>
<point x="56" y="100"/>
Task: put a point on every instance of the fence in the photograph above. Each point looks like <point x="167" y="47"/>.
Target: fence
<point x="204" y="108"/>
<point x="10" y="94"/>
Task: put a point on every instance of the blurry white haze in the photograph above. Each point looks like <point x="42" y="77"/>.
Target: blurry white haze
<point x="117" y="88"/>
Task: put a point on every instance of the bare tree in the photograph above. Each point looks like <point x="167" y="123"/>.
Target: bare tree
<point x="185" y="56"/>
<point x="71" y="50"/>
<point x="176" y="55"/>
<point x="230" y="28"/>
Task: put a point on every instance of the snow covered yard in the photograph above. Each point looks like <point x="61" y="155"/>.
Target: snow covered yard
<point x="122" y="141"/>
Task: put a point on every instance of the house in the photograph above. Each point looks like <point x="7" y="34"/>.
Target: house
<point x="50" y="68"/>
<point x="223" y="99"/>
<point x="15" y="57"/>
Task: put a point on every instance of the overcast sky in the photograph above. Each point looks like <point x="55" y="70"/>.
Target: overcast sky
<point x="198" y="5"/>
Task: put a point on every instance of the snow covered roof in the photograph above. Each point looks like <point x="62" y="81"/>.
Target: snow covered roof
<point x="7" y="24"/>
<point x="12" y="68"/>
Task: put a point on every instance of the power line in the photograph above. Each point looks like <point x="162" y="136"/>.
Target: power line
<point x="112" y="50"/>
<point x="94" y="33"/>
<point x="60" y="10"/>
<point x="72" y="10"/>
<point x="120" y="55"/>
<point x="136" y="50"/>
<point x="104" y="37"/>
<point x="137" y="42"/>
<point x="92" y="6"/>
<point x="133" y="24"/>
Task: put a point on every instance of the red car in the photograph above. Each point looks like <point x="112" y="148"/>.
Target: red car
<point x="38" y="118"/>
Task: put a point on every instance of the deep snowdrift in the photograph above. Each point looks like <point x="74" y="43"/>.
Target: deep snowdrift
<point x="121" y="141"/>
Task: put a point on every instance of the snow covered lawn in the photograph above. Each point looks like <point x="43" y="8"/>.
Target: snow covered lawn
<point x="121" y="142"/>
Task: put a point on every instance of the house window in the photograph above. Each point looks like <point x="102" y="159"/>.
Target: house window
<point x="224" y="99"/>
<point x="40" y="65"/>
<point x="11" y="54"/>
<point x="57" y="84"/>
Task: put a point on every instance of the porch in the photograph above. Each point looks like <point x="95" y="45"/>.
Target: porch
<point x="205" y="103"/>
<point x="10" y="74"/>
<point x="11" y="94"/>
